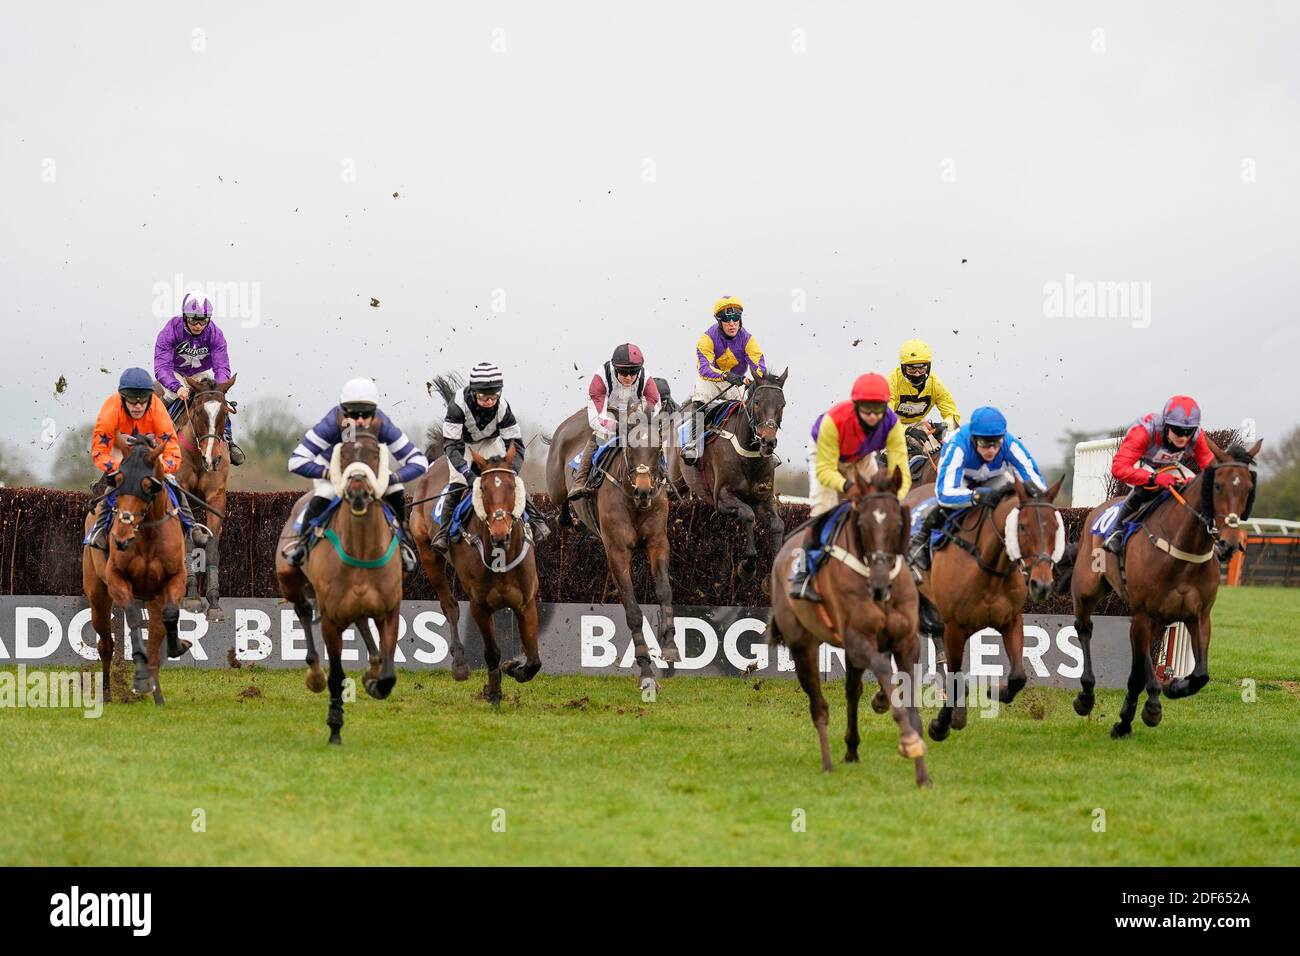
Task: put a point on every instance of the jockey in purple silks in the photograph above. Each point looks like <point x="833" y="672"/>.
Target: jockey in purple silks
<point x="190" y="344"/>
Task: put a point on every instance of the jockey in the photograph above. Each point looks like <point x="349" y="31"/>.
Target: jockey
<point x="134" y="410"/>
<point x="846" y="440"/>
<point x="479" y="419"/>
<point x="974" y="469"/>
<point x="358" y="402"/>
<point x="618" y="383"/>
<point x="916" y="389"/>
<point x="1154" y="442"/>
<point x="193" y="342"/>
<point x="723" y="354"/>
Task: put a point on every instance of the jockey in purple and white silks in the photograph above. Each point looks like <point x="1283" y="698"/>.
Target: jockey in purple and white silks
<point x="723" y="354"/>
<point x="359" y="402"/>
<point x="190" y="344"/>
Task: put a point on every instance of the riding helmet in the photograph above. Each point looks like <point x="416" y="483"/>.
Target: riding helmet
<point x="627" y="356"/>
<point x="728" y="303"/>
<point x="988" y="422"/>
<point x="359" y="391"/>
<point x="485" y="377"/>
<point x="870" y="388"/>
<point x="196" y="306"/>
<point x="1181" y="411"/>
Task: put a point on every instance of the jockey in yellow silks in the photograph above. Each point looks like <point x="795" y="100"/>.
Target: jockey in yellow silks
<point x="723" y="354"/>
<point x="916" y="389"/>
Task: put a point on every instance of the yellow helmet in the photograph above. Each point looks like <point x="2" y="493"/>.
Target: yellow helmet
<point x="914" y="351"/>
<point x="727" y="302"/>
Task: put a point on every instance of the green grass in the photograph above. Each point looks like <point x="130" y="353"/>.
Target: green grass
<point x="710" y="774"/>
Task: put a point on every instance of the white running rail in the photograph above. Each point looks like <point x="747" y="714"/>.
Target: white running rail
<point x="1092" y="471"/>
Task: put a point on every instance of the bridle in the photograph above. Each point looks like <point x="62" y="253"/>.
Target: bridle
<point x="192" y="401"/>
<point x="877" y="556"/>
<point x="1026" y="564"/>
<point x="754" y="425"/>
<point x="1210" y="522"/>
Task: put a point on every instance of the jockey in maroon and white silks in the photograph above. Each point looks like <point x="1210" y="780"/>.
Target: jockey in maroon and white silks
<point x="615" y="385"/>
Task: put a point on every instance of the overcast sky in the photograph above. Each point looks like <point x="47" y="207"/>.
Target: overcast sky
<point x="574" y="175"/>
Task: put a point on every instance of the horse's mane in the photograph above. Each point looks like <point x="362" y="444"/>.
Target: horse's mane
<point x="1239" y="453"/>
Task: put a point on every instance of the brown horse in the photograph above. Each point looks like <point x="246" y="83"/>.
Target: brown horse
<point x="1000" y="553"/>
<point x="355" y="573"/>
<point x="630" y="511"/>
<point x="505" y="578"/>
<point x="145" y="565"/>
<point x="736" y="471"/>
<point x="205" y="469"/>
<point x="1170" y="575"/>
<point x="870" y="611"/>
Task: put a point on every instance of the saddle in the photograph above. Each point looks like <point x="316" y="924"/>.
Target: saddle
<point x="597" y="473"/>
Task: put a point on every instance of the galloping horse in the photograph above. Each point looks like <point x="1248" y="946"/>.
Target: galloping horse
<point x="1169" y="576"/>
<point x="352" y="573"/>
<point x="508" y="578"/>
<point x="630" y="510"/>
<point x="998" y="554"/>
<point x="736" y="473"/>
<point x="870" y="611"/>
<point x="145" y="564"/>
<point x="205" y="469"/>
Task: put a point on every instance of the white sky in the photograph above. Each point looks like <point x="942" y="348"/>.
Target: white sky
<point x="773" y="171"/>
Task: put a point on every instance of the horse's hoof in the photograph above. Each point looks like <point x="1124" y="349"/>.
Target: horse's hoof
<point x="671" y="654"/>
<point x="194" y="604"/>
<point x="216" y="615"/>
<point x="1008" y="691"/>
<point x="911" y="747"/>
<point x="315" y="680"/>
<point x="924" y="782"/>
<point x="938" y="731"/>
<point x="851" y="756"/>
<point x="336" y="740"/>
<point x="959" y="718"/>
<point x="1121" y="729"/>
<point x="880" y="703"/>
<point x="142" y="685"/>
<point x="1152" y="717"/>
<point x="173" y="652"/>
<point x="459" y="670"/>
<point x="1175" y="689"/>
<point x="495" y="702"/>
<point x="1083" y="705"/>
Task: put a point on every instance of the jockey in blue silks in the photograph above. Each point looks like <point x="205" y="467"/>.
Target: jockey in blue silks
<point x="359" y="402"/>
<point x="975" y="468"/>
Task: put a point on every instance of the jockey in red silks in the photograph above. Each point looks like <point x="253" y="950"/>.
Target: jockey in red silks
<point x="618" y="383"/>
<point x="190" y="344"/>
<point x="1154" y="442"/>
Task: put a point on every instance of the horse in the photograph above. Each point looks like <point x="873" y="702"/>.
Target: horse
<point x="629" y="510"/>
<point x="870" y="611"/>
<point x="998" y="555"/>
<point x="204" y="472"/>
<point x="736" y="474"/>
<point x="923" y="445"/>
<point x="145" y="565"/>
<point x="1169" y="576"/>
<point x="352" y="573"/>
<point x="505" y="579"/>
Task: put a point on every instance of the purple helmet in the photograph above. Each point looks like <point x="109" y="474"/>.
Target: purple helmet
<point x="1181" y="411"/>
<point x="196" y="306"/>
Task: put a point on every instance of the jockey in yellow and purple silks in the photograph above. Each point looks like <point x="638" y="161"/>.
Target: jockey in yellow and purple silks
<point x="916" y="389"/>
<point x="723" y="354"/>
<point x="846" y="440"/>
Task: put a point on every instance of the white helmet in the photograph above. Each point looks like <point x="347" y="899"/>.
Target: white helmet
<point x="359" y="391"/>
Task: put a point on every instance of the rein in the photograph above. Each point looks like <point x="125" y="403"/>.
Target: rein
<point x="1208" y="523"/>
<point x="856" y="564"/>
<point x="332" y="537"/>
<point x="748" y="405"/>
<point x="480" y="546"/>
<point x="189" y="423"/>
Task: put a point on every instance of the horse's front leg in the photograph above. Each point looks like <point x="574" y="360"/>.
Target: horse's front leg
<point x="388" y="628"/>
<point x="619" y="557"/>
<point x="363" y="627"/>
<point x="212" y="551"/>
<point x="527" y="618"/>
<point x="437" y="570"/>
<point x="952" y="716"/>
<point x="491" y="652"/>
<point x="333" y="636"/>
<point x="911" y="744"/>
<point x="1013" y="640"/>
<point x="143" y="682"/>
<point x="164" y="622"/>
<point x="1198" y="632"/>
<point x="196" y="559"/>
<point x="657" y="554"/>
<point x="729" y="504"/>
<point x="1139" y="636"/>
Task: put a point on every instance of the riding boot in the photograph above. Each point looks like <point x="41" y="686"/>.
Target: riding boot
<point x="1115" y="540"/>
<point x="537" y="522"/>
<point x="99" y="532"/>
<point x="582" y="481"/>
<point x="198" y="534"/>
<point x="236" y="453"/>
<point x="296" y="550"/>
<point x="441" y="542"/>
<point x="396" y="500"/>
<point x="690" y="450"/>
<point x="801" y="587"/>
<point x="918" y="553"/>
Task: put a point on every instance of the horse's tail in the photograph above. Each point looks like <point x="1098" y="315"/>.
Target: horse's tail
<point x="546" y="439"/>
<point x="1065" y="568"/>
<point x="774" y="635"/>
<point x="447" y="386"/>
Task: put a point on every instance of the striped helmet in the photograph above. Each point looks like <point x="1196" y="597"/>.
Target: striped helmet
<point x="485" y="377"/>
<point x="196" y="305"/>
<point x="1181" y="411"/>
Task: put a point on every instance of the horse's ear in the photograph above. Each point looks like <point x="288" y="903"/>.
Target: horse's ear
<point x="510" y="454"/>
<point x="896" y="479"/>
<point x="477" y="459"/>
<point x="1055" y="490"/>
<point x="155" y="451"/>
<point x="1020" y="489"/>
<point x="225" y="386"/>
<point x="195" y="384"/>
<point x="862" y="483"/>
<point x="152" y="484"/>
<point x="1253" y="451"/>
<point x="124" y="443"/>
<point x="1219" y="453"/>
<point x="781" y="378"/>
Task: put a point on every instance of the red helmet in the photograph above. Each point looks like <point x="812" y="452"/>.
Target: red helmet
<point x="1181" y="411"/>
<point x="870" y="388"/>
<point x="627" y="355"/>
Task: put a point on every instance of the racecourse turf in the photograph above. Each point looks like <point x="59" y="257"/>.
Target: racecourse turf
<point x="580" y="771"/>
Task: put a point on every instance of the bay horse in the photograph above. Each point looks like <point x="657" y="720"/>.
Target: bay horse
<point x="629" y="510"/>
<point x="736" y="471"/>
<point x="1000" y="553"/>
<point x="204" y="473"/>
<point x="1170" y="575"/>
<point x="869" y="610"/>
<point x="144" y="566"/>
<point x="355" y="573"/>
<point x="504" y="578"/>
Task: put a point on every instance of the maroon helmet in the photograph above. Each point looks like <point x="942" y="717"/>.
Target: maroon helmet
<point x="627" y="359"/>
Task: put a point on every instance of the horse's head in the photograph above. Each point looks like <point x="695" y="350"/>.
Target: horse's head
<point x="499" y="494"/>
<point x="764" y="405"/>
<point x="1035" y="536"/>
<point x="361" y="471"/>
<point x="884" y="524"/>
<point x="1228" y="494"/>
<point x="207" y="409"/>
<point x="137" y="481"/>
<point x="642" y="445"/>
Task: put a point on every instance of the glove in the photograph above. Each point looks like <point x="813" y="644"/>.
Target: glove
<point x="735" y="378"/>
<point x="987" y="496"/>
<point x="1168" y="479"/>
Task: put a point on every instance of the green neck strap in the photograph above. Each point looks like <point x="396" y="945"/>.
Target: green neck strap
<point x="357" y="562"/>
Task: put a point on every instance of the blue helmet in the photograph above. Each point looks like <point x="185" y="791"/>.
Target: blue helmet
<point x="135" y="380"/>
<point x="987" y="422"/>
